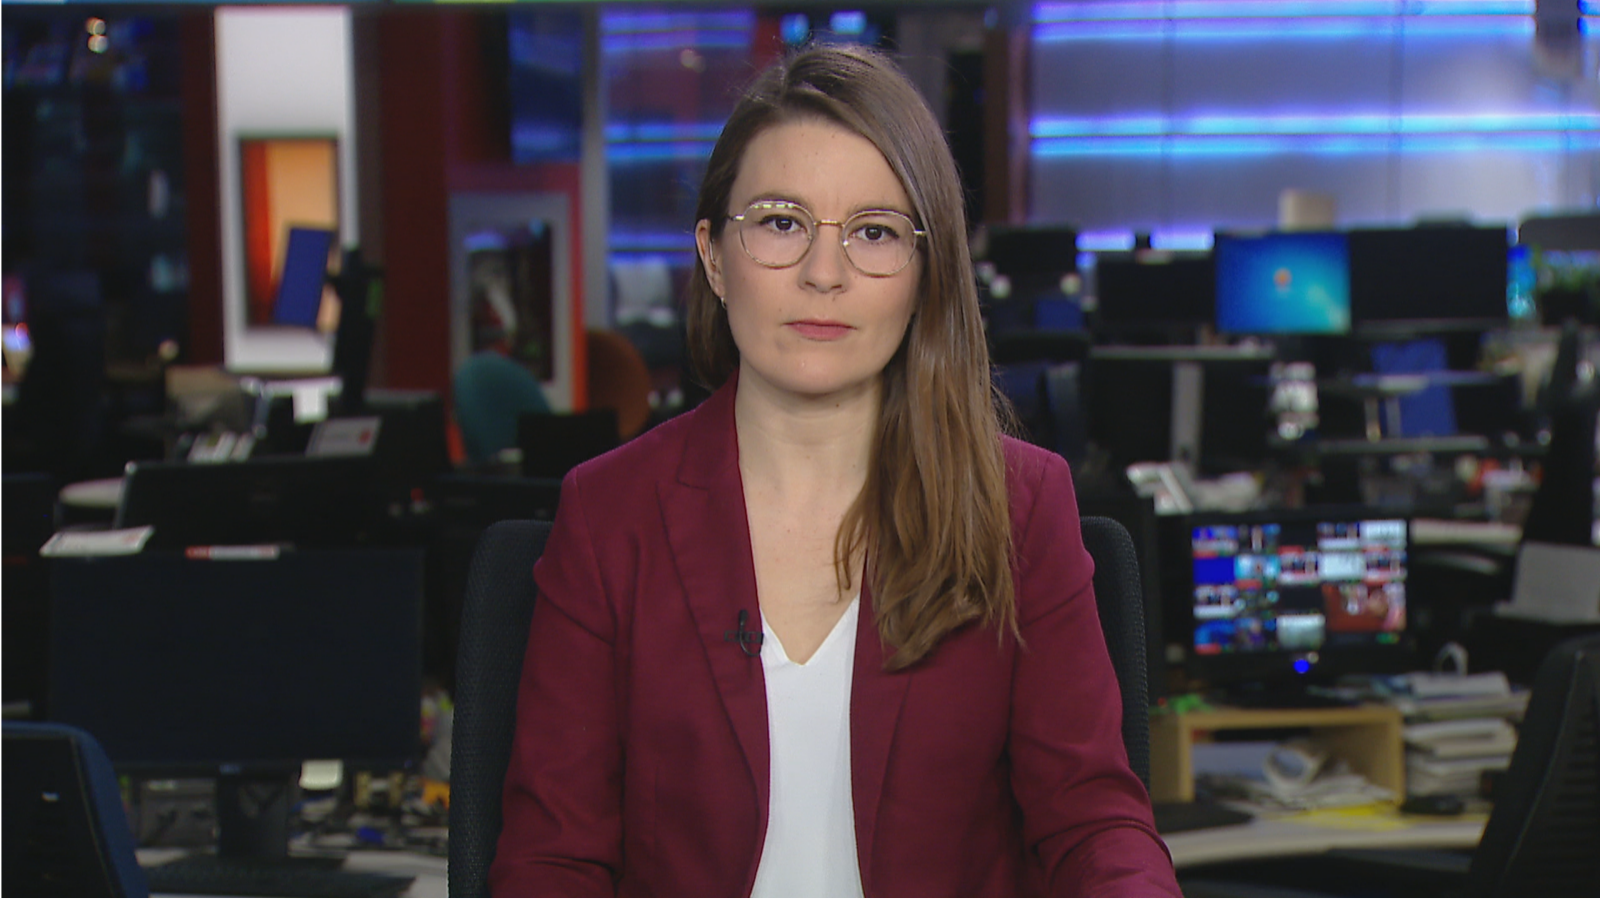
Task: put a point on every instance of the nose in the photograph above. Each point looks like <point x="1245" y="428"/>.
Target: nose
<point x="824" y="266"/>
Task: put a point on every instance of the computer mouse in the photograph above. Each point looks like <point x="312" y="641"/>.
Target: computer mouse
<point x="1434" y="805"/>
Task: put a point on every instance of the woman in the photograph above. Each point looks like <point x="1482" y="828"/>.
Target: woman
<point x="829" y="633"/>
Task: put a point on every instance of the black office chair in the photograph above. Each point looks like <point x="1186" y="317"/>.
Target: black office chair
<point x="66" y="834"/>
<point x="1118" y="593"/>
<point x="494" y="634"/>
<point x="1543" y="836"/>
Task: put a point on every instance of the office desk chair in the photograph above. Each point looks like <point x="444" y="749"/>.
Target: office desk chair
<point x="1543" y="836"/>
<point x="1119" y="594"/>
<point x="65" y="830"/>
<point x="494" y="634"/>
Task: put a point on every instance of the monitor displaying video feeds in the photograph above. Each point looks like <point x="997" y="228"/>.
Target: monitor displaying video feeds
<point x="1296" y="594"/>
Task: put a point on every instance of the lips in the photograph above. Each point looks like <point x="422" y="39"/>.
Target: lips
<point x="820" y="329"/>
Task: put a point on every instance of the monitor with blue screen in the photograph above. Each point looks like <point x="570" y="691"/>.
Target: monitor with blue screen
<point x="1282" y="283"/>
<point x="1290" y="594"/>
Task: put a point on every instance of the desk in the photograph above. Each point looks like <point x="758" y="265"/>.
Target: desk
<point x="430" y="871"/>
<point x="1302" y="834"/>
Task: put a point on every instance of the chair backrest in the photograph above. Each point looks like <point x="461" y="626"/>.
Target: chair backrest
<point x="494" y="634"/>
<point x="1118" y="593"/>
<point x="65" y="830"/>
<point x="1543" y="835"/>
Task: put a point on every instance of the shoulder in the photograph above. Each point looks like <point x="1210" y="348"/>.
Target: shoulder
<point x="1034" y="475"/>
<point x="649" y="458"/>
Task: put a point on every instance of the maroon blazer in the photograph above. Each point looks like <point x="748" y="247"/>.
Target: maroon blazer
<point x="640" y="762"/>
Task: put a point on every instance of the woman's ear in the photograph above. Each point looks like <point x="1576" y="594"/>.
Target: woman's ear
<point x="709" y="256"/>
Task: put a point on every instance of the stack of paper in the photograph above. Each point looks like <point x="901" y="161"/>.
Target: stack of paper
<point x="1450" y="756"/>
<point x="1427" y="696"/>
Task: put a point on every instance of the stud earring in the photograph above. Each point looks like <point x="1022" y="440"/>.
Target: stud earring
<point x="724" y="302"/>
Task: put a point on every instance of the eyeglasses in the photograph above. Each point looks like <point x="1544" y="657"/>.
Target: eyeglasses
<point x="777" y="234"/>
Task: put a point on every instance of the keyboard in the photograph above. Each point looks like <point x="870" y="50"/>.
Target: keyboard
<point x="216" y="876"/>
<point x="1175" y="816"/>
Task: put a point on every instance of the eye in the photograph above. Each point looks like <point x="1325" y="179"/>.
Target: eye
<point x="781" y="223"/>
<point x="876" y="231"/>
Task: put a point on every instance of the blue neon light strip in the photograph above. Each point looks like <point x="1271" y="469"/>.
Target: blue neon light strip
<point x="659" y="152"/>
<point x="1105" y="241"/>
<point x="647" y="242"/>
<point x="654" y="132"/>
<point x="1200" y="29"/>
<point x="1199" y="19"/>
<point x="1182" y="239"/>
<point x="675" y="41"/>
<point x="1317" y="125"/>
<point x="671" y="257"/>
<point x="633" y="22"/>
<point x="627" y="32"/>
<point x="1330" y="145"/>
<point x="1094" y="10"/>
<point x="1175" y="239"/>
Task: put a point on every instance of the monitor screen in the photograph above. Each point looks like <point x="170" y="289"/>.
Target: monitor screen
<point x="1032" y="256"/>
<point x="306" y="501"/>
<point x="305" y="273"/>
<point x="1429" y="276"/>
<point x="1298" y="593"/>
<point x="1283" y="283"/>
<point x="193" y="665"/>
<point x="1155" y="289"/>
<point x="241" y="670"/>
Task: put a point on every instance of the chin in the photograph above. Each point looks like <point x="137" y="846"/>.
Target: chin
<point x="824" y="384"/>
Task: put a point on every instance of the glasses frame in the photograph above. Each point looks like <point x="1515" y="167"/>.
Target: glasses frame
<point x="811" y="235"/>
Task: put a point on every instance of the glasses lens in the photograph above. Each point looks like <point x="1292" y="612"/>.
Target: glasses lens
<point x="879" y="242"/>
<point x="776" y="234"/>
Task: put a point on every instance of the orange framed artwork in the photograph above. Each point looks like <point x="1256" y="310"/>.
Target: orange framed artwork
<point x="285" y="181"/>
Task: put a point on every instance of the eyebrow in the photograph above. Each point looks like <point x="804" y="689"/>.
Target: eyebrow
<point x="868" y="207"/>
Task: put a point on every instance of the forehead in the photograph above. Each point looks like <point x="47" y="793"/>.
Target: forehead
<point x="830" y="169"/>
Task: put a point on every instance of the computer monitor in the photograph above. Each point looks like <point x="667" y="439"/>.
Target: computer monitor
<point x="1154" y="294"/>
<point x="304" y="501"/>
<point x="1287" y="599"/>
<point x="1429" y="278"/>
<point x="358" y="285"/>
<point x="242" y="670"/>
<point x="1289" y="283"/>
<point x="553" y="443"/>
<point x="305" y="273"/>
<point x="1034" y="257"/>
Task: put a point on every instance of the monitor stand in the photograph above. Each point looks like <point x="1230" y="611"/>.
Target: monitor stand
<point x="255" y="812"/>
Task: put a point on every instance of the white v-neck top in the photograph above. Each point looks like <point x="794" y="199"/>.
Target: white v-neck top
<point x="810" y="850"/>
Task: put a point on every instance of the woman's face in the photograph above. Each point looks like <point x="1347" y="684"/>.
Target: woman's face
<point x="821" y="327"/>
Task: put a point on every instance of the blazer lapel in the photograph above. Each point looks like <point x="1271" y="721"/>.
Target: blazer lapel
<point x="710" y="539"/>
<point x="876" y="699"/>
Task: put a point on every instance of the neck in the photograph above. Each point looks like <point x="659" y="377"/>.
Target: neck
<point x="805" y="447"/>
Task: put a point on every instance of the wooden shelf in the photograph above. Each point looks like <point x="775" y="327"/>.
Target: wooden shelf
<point x="1367" y="738"/>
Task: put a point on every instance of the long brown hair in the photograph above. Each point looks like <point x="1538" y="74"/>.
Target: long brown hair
<point x="933" y="515"/>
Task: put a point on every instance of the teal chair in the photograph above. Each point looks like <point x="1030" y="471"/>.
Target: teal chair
<point x="491" y="392"/>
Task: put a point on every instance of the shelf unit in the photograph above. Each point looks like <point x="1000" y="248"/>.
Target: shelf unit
<point x="1367" y="738"/>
